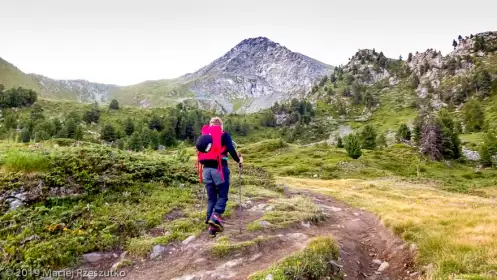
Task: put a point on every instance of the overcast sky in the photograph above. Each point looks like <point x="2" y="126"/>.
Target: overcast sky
<point x="126" y="42"/>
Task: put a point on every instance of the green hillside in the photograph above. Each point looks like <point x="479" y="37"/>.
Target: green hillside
<point x="11" y="76"/>
<point x="98" y="179"/>
<point x="161" y="93"/>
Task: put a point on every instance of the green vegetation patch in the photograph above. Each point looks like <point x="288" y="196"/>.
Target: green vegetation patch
<point x="60" y="230"/>
<point x="24" y="161"/>
<point x="286" y="212"/>
<point x="327" y="162"/>
<point x="311" y="263"/>
<point x="225" y="248"/>
<point x="175" y="230"/>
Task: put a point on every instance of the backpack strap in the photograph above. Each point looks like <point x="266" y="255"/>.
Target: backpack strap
<point x="220" y="167"/>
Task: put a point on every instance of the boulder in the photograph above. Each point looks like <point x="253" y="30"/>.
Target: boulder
<point x="265" y="224"/>
<point x="306" y="224"/>
<point x="470" y="155"/>
<point x="413" y="247"/>
<point x="297" y="236"/>
<point x="32" y="237"/>
<point x="384" y="266"/>
<point x="16" y="200"/>
<point x="377" y="262"/>
<point x="96" y="257"/>
<point x="157" y="251"/>
<point x="189" y="240"/>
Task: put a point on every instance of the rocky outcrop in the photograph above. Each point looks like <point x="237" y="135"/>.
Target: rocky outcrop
<point x="365" y="67"/>
<point x="259" y="71"/>
<point x="470" y="155"/>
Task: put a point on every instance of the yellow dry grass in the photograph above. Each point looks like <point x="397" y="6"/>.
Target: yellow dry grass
<point x="456" y="233"/>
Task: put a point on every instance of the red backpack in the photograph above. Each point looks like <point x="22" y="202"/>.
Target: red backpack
<point x="216" y="132"/>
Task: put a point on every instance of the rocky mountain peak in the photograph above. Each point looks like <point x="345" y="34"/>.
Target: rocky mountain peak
<point x="257" y="72"/>
<point x="256" y="41"/>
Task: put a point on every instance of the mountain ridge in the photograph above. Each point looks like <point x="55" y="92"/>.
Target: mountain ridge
<point x="255" y="73"/>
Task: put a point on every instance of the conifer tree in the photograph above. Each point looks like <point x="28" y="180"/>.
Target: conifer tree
<point x="70" y="128"/>
<point x="154" y="139"/>
<point x="409" y="57"/>
<point x="108" y="133"/>
<point x="381" y="141"/>
<point x="485" y="156"/>
<point x="114" y="105"/>
<point x="353" y="146"/>
<point x="431" y="142"/>
<point x="368" y="137"/>
<point x="25" y="135"/>
<point x="78" y="135"/>
<point x="474" y="117"/>
<point x="450" y="136"/>
<point x="339" y="142"/>
<point x="135" y="142"/>
<point x="404" y="133"/>
<point x="156" y="123"/>
<point x="129" y="126"/>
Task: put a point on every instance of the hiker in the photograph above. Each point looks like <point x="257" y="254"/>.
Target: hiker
<point x="213" y="147"/>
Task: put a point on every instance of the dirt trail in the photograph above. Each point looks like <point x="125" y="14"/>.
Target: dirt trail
<point x="361" y="236"/>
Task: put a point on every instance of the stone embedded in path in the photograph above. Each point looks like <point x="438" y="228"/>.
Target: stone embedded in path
<point x="262" y="207"/>
<point x="189" y="240"/>
<point x="297" y="236"/>
<point x="335" y="209"/>
<point x="377" y="262"/>
<point x="200" y="260"/>
<point x="384" y="266"/>
<point x="255" y="257"/>
<point x="157" y="251"/>
<point x="265" y="224"/>
<point x="335" y="267"/>
<point x="96" y="257"/>
<point x="428" y="268"/>
<point x="123" y="255"/>
<point x="230" y="264"/>
<point x="187" y="277"/>
<point x="247" y="204"/>
<point x="413" y="247"/>
<point x="117" y="264"/>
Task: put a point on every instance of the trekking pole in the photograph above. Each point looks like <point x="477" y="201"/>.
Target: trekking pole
<point x="240" y="197"/>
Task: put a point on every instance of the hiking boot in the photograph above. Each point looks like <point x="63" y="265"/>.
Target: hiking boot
<point x="216" y="222"/>
<point x="212" y="232"/>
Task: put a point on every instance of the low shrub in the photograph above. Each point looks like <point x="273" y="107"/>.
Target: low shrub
<point x="311" y="263"/>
